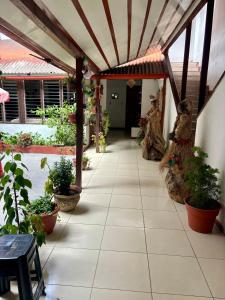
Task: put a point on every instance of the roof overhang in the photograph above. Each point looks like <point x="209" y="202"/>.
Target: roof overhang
<point x="108" y="32"/>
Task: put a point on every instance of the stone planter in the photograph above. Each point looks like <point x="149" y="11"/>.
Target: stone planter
<point x="67" y="203"/>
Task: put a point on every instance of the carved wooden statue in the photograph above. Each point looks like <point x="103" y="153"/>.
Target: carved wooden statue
<point x="153" y="142"/>
<point x="178" y="151"/>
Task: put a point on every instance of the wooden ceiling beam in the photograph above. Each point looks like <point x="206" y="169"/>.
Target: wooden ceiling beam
<point x="22" y="39"/>
<point x="144" y="26"/>
<point x="110" y="23"/>
<point x="47" y="22"/>
<point x="159" y="20"/>
<point x="129" y="16"/>
<point x="89" y="29"/>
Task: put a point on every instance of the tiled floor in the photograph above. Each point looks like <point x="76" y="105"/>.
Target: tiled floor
<point x="127" y="240"/>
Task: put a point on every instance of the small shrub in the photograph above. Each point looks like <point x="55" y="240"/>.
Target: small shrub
<point x="42" y="205"/>
<point x="24" y="140"/>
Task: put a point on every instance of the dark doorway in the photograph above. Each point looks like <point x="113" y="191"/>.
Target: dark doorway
<point x="133" y="106"/>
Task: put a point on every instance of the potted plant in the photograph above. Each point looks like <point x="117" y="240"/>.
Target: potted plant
<point x="85" y="162"/>
<point x="47" y="210"/>
<point x="204" y="192"/>
<point x="24" y="140"/>
<point x="59" y="180"/>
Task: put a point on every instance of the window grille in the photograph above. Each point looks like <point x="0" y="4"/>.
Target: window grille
<point x="32" y="92"/>
<point x="11" y="107"/>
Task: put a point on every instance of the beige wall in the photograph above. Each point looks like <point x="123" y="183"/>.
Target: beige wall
<point x="210" y="134"/>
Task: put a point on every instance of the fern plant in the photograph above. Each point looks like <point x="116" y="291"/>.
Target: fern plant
<point x="201" y="180"/>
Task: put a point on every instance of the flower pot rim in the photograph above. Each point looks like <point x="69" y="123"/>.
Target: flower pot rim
<point x="202" y="209"/>
<point x="56" y="210"/>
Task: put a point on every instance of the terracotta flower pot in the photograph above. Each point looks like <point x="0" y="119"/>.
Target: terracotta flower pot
<point x="201" y="220"/>
<point x="67" y="203"/>
<point x="72" y="118"/>
<point x="49" y="220"/>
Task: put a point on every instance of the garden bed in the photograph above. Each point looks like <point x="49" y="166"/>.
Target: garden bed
<point x="60" y="150"/>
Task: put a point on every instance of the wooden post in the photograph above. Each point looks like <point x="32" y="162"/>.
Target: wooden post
<point x="21" y="101"/>
<point x="205" y="55"/>
<point x="61" y="92"/>
<point x="79" y="121"/>
<point x="42" y="94"/>
<point x="3" y="106"/>
<point x="97" y="105"/>
<point x="185" y="62"/>
<point x="163" y="103"/>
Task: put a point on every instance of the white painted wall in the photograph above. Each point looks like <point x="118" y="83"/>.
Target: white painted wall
<point x="210" y="134"/>
<point x="149" y="87"/>
<point x="170" y="112"/>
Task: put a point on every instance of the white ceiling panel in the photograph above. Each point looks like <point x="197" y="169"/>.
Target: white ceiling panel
<point x="118" y="10"/>
<point x="95" y="14"/>
<point x="137" y="21"/>
<point x="66" y="14"/>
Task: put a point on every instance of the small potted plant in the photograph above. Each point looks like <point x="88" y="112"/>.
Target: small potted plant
<point x="59" y="180"/>
<point x="85" y="162"/>
<point x="204" y="192"/>
<point x="47" y="210"/>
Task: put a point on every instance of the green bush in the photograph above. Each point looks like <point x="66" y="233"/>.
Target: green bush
<point x="201" y="180"/>
<point x="42" y="205"/>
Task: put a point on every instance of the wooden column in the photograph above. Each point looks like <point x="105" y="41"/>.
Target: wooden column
<point x="21" y="101"/>
<point x="163" y="103"/>
<point x="97" y="105"/>
<point x="79" y="121"/>
<point x="206" y="52"/>
<point x="186" y="61"/>
<point x="3" y="106"/>
<point x="42" y="94"/>
<point x="61" y="92"/>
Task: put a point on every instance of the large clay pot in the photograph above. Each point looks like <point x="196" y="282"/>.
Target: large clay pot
<point x="201" y="220"/>
<point x="67" y="203"/>
<point x="49" y="220"/>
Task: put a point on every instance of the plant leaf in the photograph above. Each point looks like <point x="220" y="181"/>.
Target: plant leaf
<point x="17" y="157"/>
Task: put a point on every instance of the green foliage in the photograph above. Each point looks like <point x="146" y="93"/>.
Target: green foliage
<point x="60" y="176"/>
<point x="9" y="139"/>
<point x="105" y="122"/>
<point x="202" y="181"/>
<point x="85" y="158"/>
<point x="25" y="139"/>
<point x="14" y="189"/>
<point x="57" y="116"/>
<point x="42" y="205"/>
<point x="102" y="142"/>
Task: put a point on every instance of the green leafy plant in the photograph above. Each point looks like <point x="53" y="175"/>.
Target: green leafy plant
<point x="9" y="139"/>
<point x="14" y="189"/>
<point x="105" y="122"/>
<point x="57" y="116"/>
<point x="60" y="175"/>
<point x="102" y="141"/>
<point x="24" y="140"/>
<point x="201" y="180"/>
<point x="42" y="205"/>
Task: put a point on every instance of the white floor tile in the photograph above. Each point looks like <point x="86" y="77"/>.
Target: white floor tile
<point x="177" y="297"/>
<point x="95" y="199"/>
<point x="171" y="242"/>
<point x="55" y="292"/>
<point x="126" y="201"/>
<point x="75" y="267"/>
<point x="124" y="271"/>
<point x="81" y="236"/>
<point x="89" y="214"/>
<point x="157" y="203"/>
<point x="177" y="275"/>
<point x="125" y="217"/>
<point x="44" y="253"/>
<point x="103" y="294"/>
<point x="162" y="219"/>
<point x="124" y="239"/>
<point x="214" y="271"/>
<point x="207" y="245"/>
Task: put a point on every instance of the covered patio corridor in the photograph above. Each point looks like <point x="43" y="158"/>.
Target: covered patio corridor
<point x="126" y="239"/>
